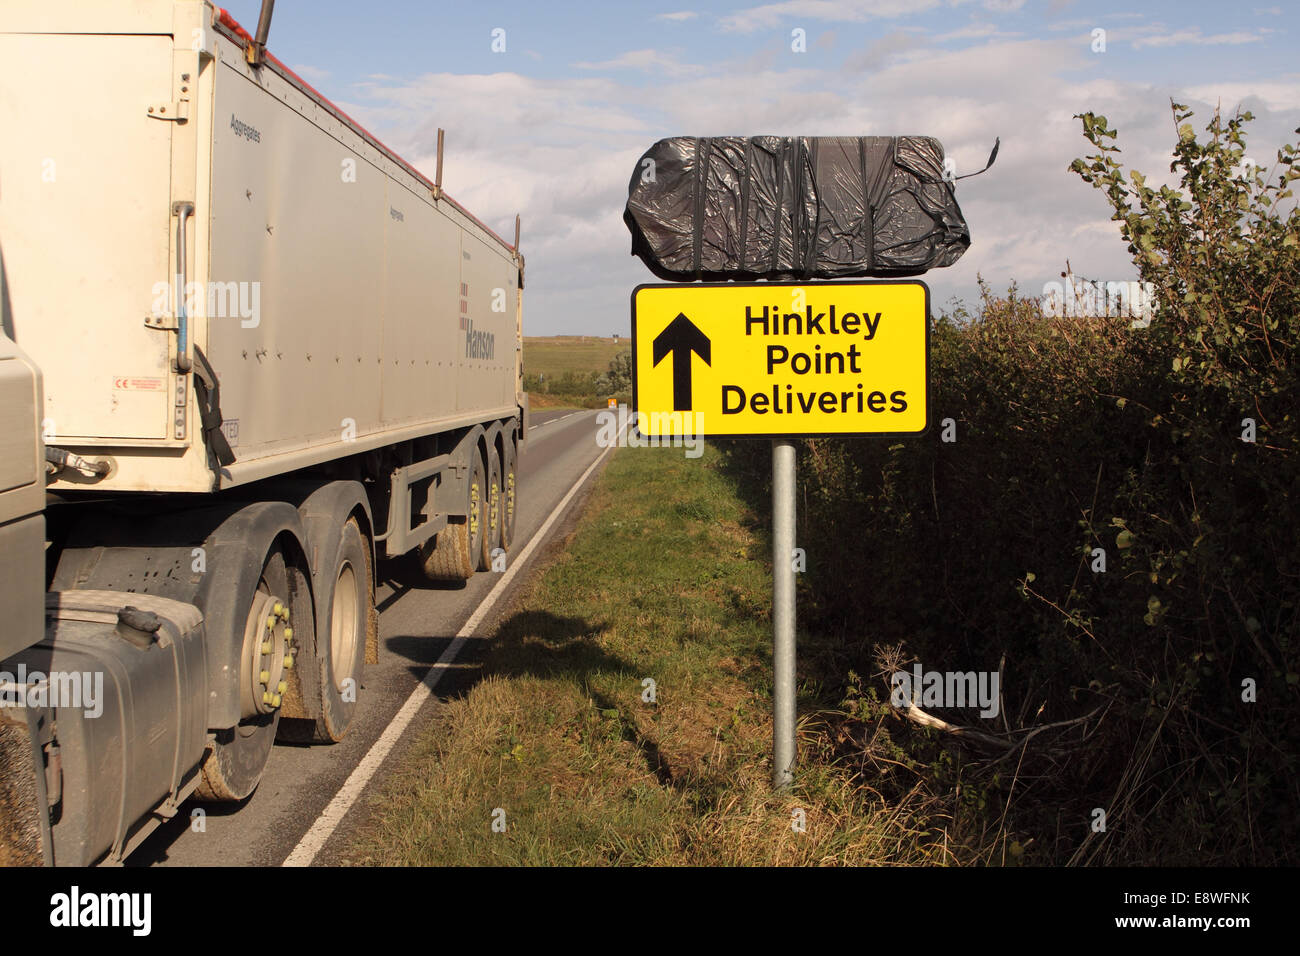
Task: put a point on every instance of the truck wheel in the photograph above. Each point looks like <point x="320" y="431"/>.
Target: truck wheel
<point x="281" y="601"/>
<point x="476" y="511"/>
<point x="445" y="556"/>
<point x="341" y="640"/>
<point x="491" y="512"/>
<point x="452" y="553"/>
<point x="509" y="495"/>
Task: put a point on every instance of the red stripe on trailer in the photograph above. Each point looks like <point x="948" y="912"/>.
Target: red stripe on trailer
<point x="243" y="37"/>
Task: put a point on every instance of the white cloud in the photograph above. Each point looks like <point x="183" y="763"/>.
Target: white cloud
<point x="975" y="30"/>
<point x="1277" y="96"/>
<point x="772" y="15"/>
<point x="1195" y="37"/>
<point x="891" y="46"/>
<point x="678" y="16"/>
<point x="1061" y="25"/>
<point x="648" y="61"/>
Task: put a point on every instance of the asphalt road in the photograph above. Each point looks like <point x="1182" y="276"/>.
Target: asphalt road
<point x="417" y="624"/>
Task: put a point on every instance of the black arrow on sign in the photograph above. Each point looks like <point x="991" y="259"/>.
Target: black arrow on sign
<point x="681" y="338"/>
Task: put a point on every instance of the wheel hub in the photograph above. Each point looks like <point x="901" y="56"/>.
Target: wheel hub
<point x="473" y="509"/>
<point x="268" y="655"/>
<point x="343" y="626"/>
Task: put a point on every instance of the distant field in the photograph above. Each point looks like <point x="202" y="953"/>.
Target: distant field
<point x="552" y="356"/>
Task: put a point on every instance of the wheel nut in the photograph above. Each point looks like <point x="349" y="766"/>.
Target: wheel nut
<point x="263" y="677"/>
<point x="270" y="622"/>
<point x="266" y="647"/>
<point x="275" y="701"/>
<point x="288" y="662"/>
<point x="266" y="696"/>
<point x="281" y="687"/>
<point x="278" y="608"/>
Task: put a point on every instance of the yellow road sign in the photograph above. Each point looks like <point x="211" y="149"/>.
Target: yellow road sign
<point x="781" y="358"/>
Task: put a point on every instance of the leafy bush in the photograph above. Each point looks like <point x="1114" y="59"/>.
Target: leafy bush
<point x="618" y="377"/>
<point x="1076" y="433"/>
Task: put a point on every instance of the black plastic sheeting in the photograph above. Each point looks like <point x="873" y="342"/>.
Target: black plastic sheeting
<point x="774" y="207"/>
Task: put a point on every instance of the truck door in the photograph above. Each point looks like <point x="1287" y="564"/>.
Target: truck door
<point x="86" y="223"/>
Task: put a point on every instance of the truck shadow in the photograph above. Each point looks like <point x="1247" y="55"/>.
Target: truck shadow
<point x="193" y="814"/>
<point x="535" y="643"/>
<point x="403" y="575"/>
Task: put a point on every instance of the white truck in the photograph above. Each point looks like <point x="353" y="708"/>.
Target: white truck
<point x="246" y="351"/>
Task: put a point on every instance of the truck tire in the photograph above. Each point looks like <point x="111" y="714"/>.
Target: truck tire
<point x="24" y="806"/>
<point x="491" y="511"/>
<point x="236" y="760"/>
<point x="475" y="509"/>
<point x="347" y="598"/>
<point x="509" y="493"/>
<point x="445" y="556"/>
<point x="452" y="553"/>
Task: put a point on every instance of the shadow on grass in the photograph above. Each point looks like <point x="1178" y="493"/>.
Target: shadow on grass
<point x="747" y="464"/>
<point x="540" y="644"/>
<point x="527" y="644"/>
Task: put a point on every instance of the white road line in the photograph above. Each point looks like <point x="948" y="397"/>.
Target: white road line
<point x="315" y="838"/>
<point x="552" y="421"/>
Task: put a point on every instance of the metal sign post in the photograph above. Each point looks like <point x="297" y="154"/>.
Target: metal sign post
<point x="783" y="612"/>
<point x="781" y="361"/>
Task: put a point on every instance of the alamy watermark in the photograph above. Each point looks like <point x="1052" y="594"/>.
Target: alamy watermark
<point x="73" y="690"/>
<point x="946" y="689"/>
<point x="76" y="908"/>
<point x="651" y="430"/>
<point x="214" y="300"/>
<point x="1084" y="298"/>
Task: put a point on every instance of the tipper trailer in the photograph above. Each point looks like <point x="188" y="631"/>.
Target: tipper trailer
<point x="247" y="350"/>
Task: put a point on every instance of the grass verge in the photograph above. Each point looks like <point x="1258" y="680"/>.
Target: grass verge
<point x="665" y="579"/>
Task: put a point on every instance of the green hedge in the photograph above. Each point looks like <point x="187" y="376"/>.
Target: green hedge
<point x="1076" y="433"/>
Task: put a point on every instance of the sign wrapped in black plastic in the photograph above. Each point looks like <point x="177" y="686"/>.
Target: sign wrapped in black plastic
<point x="814" y="207"/>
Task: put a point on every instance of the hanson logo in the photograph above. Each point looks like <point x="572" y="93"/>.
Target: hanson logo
<point x="478" y="345"/>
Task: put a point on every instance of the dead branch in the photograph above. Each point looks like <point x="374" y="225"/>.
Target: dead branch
<point x="917" y="715"/>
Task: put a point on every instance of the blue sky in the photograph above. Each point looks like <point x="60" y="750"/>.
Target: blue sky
<point x="552" y="127"/>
